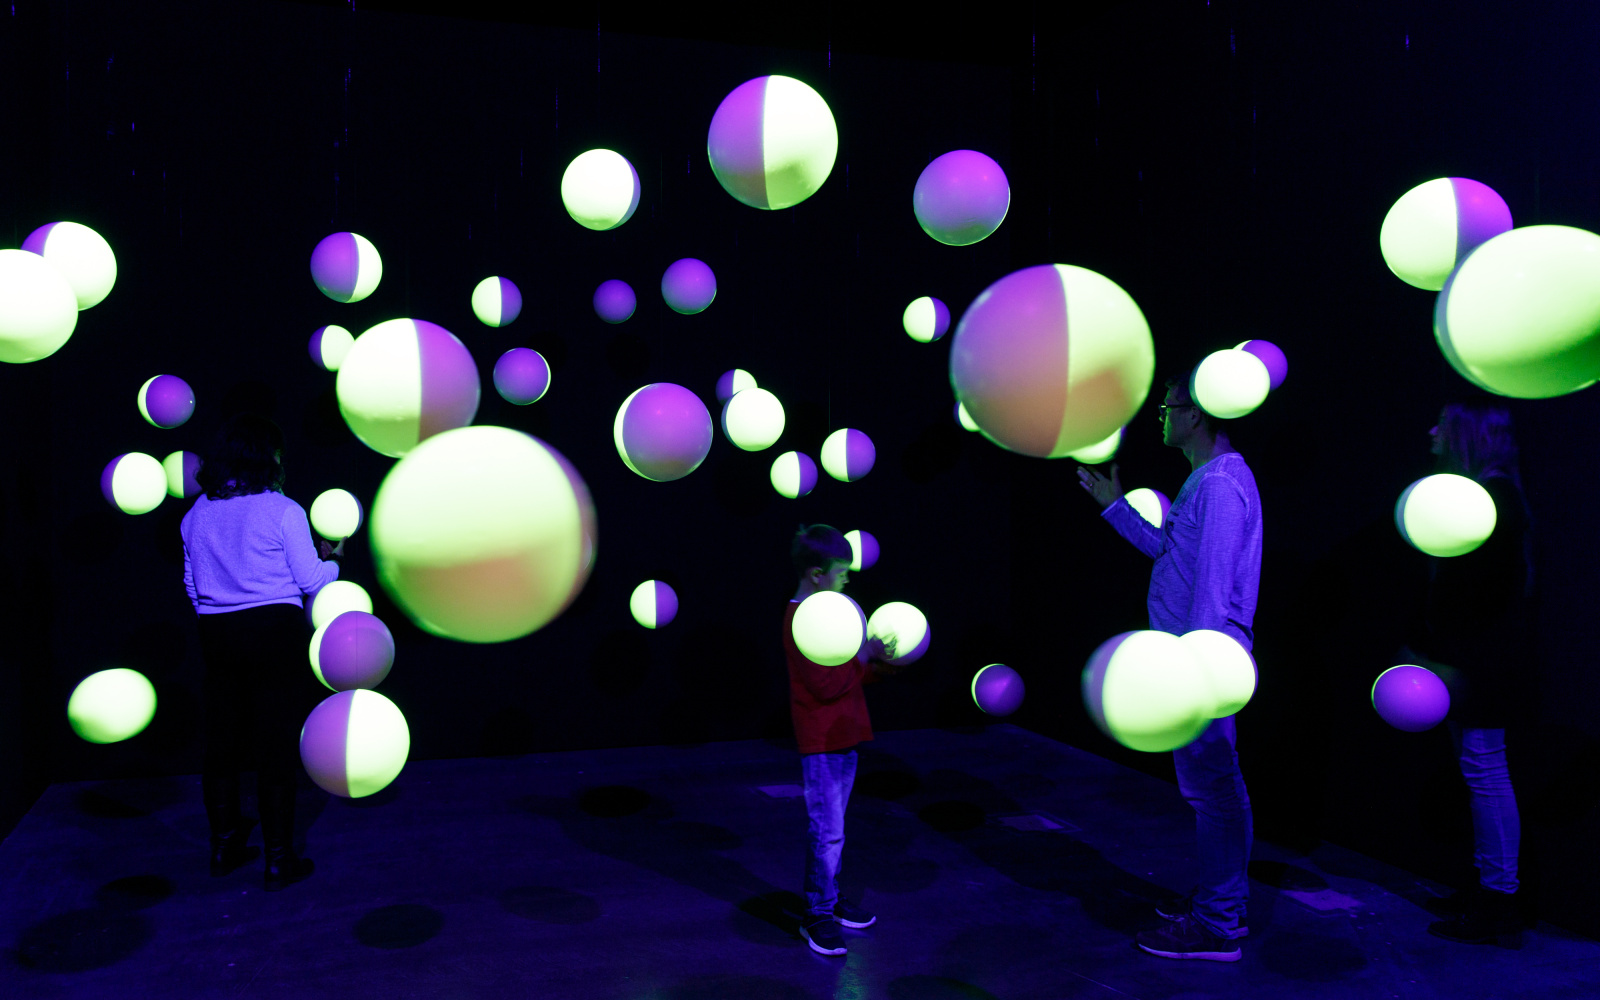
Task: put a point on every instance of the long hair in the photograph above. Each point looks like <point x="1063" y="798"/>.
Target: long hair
<point x="247" y="458"/>
<point x="1478" y="442"/>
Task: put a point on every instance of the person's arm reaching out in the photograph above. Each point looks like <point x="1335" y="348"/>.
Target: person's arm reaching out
<point x="310" y="573"/>
<point x="1130" y="524"/>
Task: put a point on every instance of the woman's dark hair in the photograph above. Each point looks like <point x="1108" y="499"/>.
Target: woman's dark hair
<point x="820" y="546"/>
<point x="1477" y="440"/>
<point x="247" y="458"/>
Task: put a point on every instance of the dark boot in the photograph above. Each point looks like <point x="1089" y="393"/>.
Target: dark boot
<point x="1488" y="916"/>
<point x="277" y="829"/>
<point x="230" y="831"/>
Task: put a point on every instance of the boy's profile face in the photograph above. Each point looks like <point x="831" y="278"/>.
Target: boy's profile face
<point x="834" y="578"/>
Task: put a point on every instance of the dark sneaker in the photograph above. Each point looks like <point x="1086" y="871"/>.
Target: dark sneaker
<point x="851" y="915"/>
<point x="824" y="936"/>
<point x="1183" y="906"/>
<point x="1487" y="916"/>
<point x="1187" y="937"/>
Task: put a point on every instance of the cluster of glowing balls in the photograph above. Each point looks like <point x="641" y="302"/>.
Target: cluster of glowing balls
<point x="1147" y="691"/>
<point x="496" y="301"/>
<point x="848" y="454"/>
<point x="1099" y="452"/>
<point x="134" y="483"/>
<point x="1435" y="225"/>
<point x="794" y="474"/>
<point x="961" y="197"/>
<point x="182" y="469"/>
<point x="1272" y="356"/>
<point x="336" y="514"/>
<point x="997" y="689"/>
<point x="688" y="286"/>
<point x="772" y="142"/>
<point x="863" y="550"/>
<point x="732" y="382"/>
<point x="1051" y="359"/>
<point x="38" y="310"/>
<point x="522" y="376"/>
<point x="829" y="628"/>
<point x="404" y="381"/>
<point x="965" y="419"/>
<point x="336" y="598"/>
<point x="600" y="189"/>
<point x="166" y="401"/>
<point x="1152" y="505"/>
<point x="614" y="301"/>
<point x="662" y="431"/>
<point x="753" y="419"/>
<point x="903" y="628"/>
<point x="483" y="534"/>
<point x="1521" y="315"/>
<point x="354" y="743"/>
<point x="926" y="319"/>
<point x="1230" y="384"/>
<point x="111" y="705"/>
<point x="346" y="267"/>
<point x="353" y="650"/>
<point x="654" y="604"/>
<point x="1227" y="665"/>
<point x="329" y="344"/>
<point x="1411" y="698"/>
<point x="82" y="256"/>
<point x="1445" y="515"/>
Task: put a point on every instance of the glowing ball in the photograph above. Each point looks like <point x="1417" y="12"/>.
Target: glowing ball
<point x="111" y="705"/>
<point x="600" y="189"/>
<point x="829" y="628"/>
<point x="1271" y="355"/>
<point x="961" y="197"/>
<point x="863" y="550"/>
<point x="965" y="419"/>
<point x="404" y="381"/>
<point x="662" y="431"/>
<point x="335" y="598"/>
<point x="1521" y="316"/>
<point x="688" y="286"/>
<point x="483" y="534"/>
<point x="1230" y="384"/>
<point x="848" y="454"/>
<point x="732" y="382"/>
<point x="329" y="344"/>
<point x="496" y="301"/>
<point x="1101" y="452"/>
<point x="1228" y="666"/>
<point x="772" y="142"/>
<point x="794" y="474"/>
<point x="997" y="689"/>
<point x="336" y="514"/>
<point x="1445" y="515"/>
<point x="654" y="604"/>
<point x="82" y="256"/>
<point x="166" y="401"/>
<point x="522" y="376"/>
<point x="753" y="419"/>
<point x="354" y="650"/>
<point x="38" y="310"/>
<point x="614" y="301"/>
<point x="134" y="483"/>
<point x="1411" y="698"/>
<point x="1152" y="505"/>
<point x="346" y="267"/>
<point x="1435" y="225"/>
<point x="1147" y="691"/>
<point x="354" y="743"/>
<point x="902" y="626"/>
<point x="1033" y="387"/>
<point x="926" y="319"/>
<point x="181" y="468"/>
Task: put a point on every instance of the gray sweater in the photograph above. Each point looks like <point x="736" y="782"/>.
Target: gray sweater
<point x="248" y="551"/>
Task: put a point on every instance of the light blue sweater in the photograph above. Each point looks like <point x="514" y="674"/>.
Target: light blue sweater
<point x="245" y="552"/>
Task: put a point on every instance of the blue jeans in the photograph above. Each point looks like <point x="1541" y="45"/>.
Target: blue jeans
<point x="1209" y="778"/>
<point x="828" y="779"/>
<point x="1496" y="826"/>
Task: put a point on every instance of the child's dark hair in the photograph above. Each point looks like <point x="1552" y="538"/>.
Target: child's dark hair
<point x="820" y="546"/>
<point x="247" y="458"/>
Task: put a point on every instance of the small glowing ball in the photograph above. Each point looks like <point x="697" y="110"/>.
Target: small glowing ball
<point x="1271" y="355"/>
<point x="1147" y="691"/>
<point x="997" y="689"/>
<point x="354" y="743"/>
<point x="733" y="381"/>
<point x="614" y="301"/>
<point x="329" y="344"/>
<point x="1228" y="666"/>
<point x="903" y="627"/>
<point x="166" y="401"/>
<point x="848" y="454"/>
<point x="404" y="381"/>
<point x="965" y="419"/>
<point x="926" y="319"/>
<point x="794" y="474"/>
<point x="111" y="705"/>
<point x="863" y="550"/>
<point x="38" y="310"/>
<point x="654" y="604"/>
<point x="1102" y="452"/>
<point x="522" y="376"/>
<point x="753" y="419"/>
<point x="336" y="514"/>
<point x="181" y="468"/>
<point x="82" y="256"/>
<point x="335" y="599"/>
<point x="346" y="267"/>
<point x="134" y="483"/>
<point x="483" y="534"/>
<point x="1435" y="225"/>
<point x="772" y="142"/>
<point x="1445" y="515"/>
<point x="496" y="301"/>
<point x="600" y="189"/>
<point x="829" y="628"/>
<point x="1152" y="505"/>
<point x="688" y="286"/>
<point x="961" y="197"/>
<point x="1521" y="316"/>
<point x="1051" y="359"/>
<point x="1411" y="698"/>
<point x="1230" y="384"/>
<point x="354" y="650"/>
<point x="662" y="431"/>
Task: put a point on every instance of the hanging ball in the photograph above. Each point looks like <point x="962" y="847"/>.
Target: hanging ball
<point x="111" y="705"/>
<point x="961" y="197"/>
<point x="863" y="550"/>
<point x="353" y="650"/>
<point x="134" y="483"/>
<point x="794" y="474"/>
<point x="329" y="344"/>
<point x="1411" y="698"/>
<point x="1270" y="355"/>
<point x="1445" y="515"/>
<point x="1230" y="384"/>
<point x="965" y="419"/>
<point x="522" y="376"/>
<point x="654" y="604"/>
<point x="166" y="401"/>
<point x="354" y="743"/>
<point x="38" y="310"/>
<point x="336" y="514"/>
<point x="496" y="301"/>
<point x="1435" y="225"/>
<point x="1228" y="666"/>
<point x="1147" y="691"/>
<point x="181" y="468"/>
<point x="732" y="381"/>
<point x="903" y="628"/>
<point x="404" y="381"/>
<point x="1152" y="505"/>
<point x="337" y="597"/>
<point x="829" y="628"/>
<point x="753" y="419"/>
<point x="848" y="454"/>
<point x="600" y="189"/>
<point x="772" y="142"/>
<point x="1100" y="453"/>
<point x="614" y="301"/>
<point x="662" y="431"/>
<point x="997" y="689"/>
<point x="926" y="319"/>
<point x="688" y="286"/>
<point x="82" y="256"/>
<point x="346" y="267"/>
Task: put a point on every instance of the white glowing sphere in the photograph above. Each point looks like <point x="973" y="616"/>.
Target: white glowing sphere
<point x="904" y="628"/>
<point x="335" y="599"/>
<point x="134" y="483"/>
<point x="38" y="310"/>
<point x="181" y="468"/>
<point x="794" y="474"/>
<point x="111" y="705"/>
<point x="329" y="344"/>
<point x="772" y="142"/>
<point x="1229" y="384"/>
<point x="926" y="319"/>
<point x="346" y="267"/>
<point x="1152" y="505"/>
<point x="829" y="628"/>
<point x="405" y="380"/>
<point x="1445" y="515"/>
<point x="1148" y="691"/>
<point x="848" y="454"/>
<point x="732" y="382"/>
<point x="82" y="256"/>
<point x="336" y="514"/>
<point x="1435" y="225"/>
<point x="355" y="743"/>
<point x="654" y="604"/>
<point x="496" y="301"/>
<point x="753" y="419"/>
<point x="863" y="550"/>
<point x="600" y="189"/>
<point x="1228" y="666"/>
<point x="1099" y="453"/>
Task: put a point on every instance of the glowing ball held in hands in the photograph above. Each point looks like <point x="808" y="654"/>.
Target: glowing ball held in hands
<point x="863" y="550"/>
<point x="772" y="142"/>
<point x="354" y="650"/>
<point x="496" y="301"/>
<point x="1147" y="691"/>
<point x="82" y="256"/>
<point x="997" y="689"/>
<point x="354" y="743"/>
<point x="1272" y="356"/>
<point x="1152" y="505"/>
<point x="1433" y="227"/>
<point x="753" y="419"/>
<point x="794" y="474"/>
<point x="902" y="628"/>
<point x="829" y="628"/>
<point x="688" y="286"/>
<point x="329" y="344"/>
<point x="1445" y="515"/>
<point x="346" y="267"/>
<point x="404" y="381"/>
<point x="38" y="310"/>
<point x="336" y="514"/>
<point x="961" y="197"/>
<point x="654" y="604"/>
<point x="182" y="468"/>
<point x="614" y="301"/>
<point x="848" y="454"/>
<point x="1411" y="698"/>
<point x="134" y="483"/>
<point x="732" y="382"/>
<point x="1230" y="384"/>
<point x="522" y="376"/>
<point x="662" y="431"/>
<point x="337" y="597"/>
<point x="926" y="319"/>
<point x="1227" y="665"/>
<point x="166" y="401"/>
<point x="1100" y="452"/>
<point x="600" y="189"/>
<point x="111" y="705"/>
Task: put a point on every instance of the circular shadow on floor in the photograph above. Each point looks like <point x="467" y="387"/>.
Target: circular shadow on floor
<point x="770" y="919"/>
<point x="1312" y="958"/>
<point x="935" y="988"/>
<point x="405" y="925"/>
<point x="889" y="785"/>
<point x="611" y="801"/>
<point x="550" y="905"/>
<point x="134" y="892"/>
<point x="1286" y="876"/>
<point x="82" y="940"/>
<point x="734" y="988"/>
<point x="952" y="816"/>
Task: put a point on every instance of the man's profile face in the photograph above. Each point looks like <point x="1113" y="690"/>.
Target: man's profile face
<point x="1178" y="422"/>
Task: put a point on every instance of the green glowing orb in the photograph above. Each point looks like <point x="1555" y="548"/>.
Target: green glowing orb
<point x="600" y="189"/>
<point x="335" y="599"/>
<point x="336" y="514"/>
<point x="1228" y="667"/>
<point x="902" y="628"/>
<point x="965" y="419"/>
<point x="1433" y="227"/>
<point x="355" y="743"/>
<point x="772" y="142"/>
<point x="404" y="380"/>
<point x="38" y="310"/>
<point x="794" y="474"/>
<point x="1104" y="451"/>
<point x="1230" y="384"/>
<point x="926" y="319"/>
<point x="82" y="256"/>
<point x="134" y="483"/>
<point x="1152" y="505"/>
<point x="753" y="419"/>
<point x="181" y="468"/>
<point x="111" y="705"/>
<point x="653" y="604"/>
<point x="829" y="628"/>
<point x="1445" y="515"/>
<point x="1147" y="691"/>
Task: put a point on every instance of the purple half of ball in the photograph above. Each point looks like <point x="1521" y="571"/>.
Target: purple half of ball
<point x="664" y="431"/>
<point x="521" y="376"/>
<point x="1481" y="214"/>
<point x="450" y="386"/>
<point x="38" y="238"/>
<point x="997" y="689"/>
<point x="355" y="651"/>
<point x="166" y="401"/>
<point x="614" y="301"/>
<point x="336" y="266"/>
<point x="1271" y="356"/>
<point x="666" y="604"/>
<point x="688" y="286"/>
<point x="510" y="301"/>
<point x="961" y="197"/>
<point x="1411" y="698"/>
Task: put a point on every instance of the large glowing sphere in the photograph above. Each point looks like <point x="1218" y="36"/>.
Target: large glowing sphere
<point x="166" y="401"/>
<point x="82" y="256"/>
<point x="483" y="534"/>
<point x="329" y="344"/>
<point x="997" y="689"/>
<point x="662" y="431"/>
<point x="1100" y="452"/>
<point x="335" y="598"/>
<point x="346" y="267"/>
<point x="1228" y="666"/>
<point x="863" y="550"/>
<point x="1411" y="698"/>
<point x="404" y="381"/>
<point x="1152" y="505"/>
<point x="753" y="419"/>
<point x="111" y="705"/>
<point x="134" y="483"/>
<point x="1271" y="355"/>
<point x="38" y="310"/>
<point x="354" y="743"/>
<point x="794" y="474"/>
<point x="772" y="142"/>
<point x="1445" y="515"/>
<point x="829" y="628"/>
<point x="496" y="301"/>
<point x="688" y="286"/>
<point x="1230" y="384"/>
<point x="614" y="301"/>
<point x="1147" y="691"/>
<point x="732" y="381"/>
<point x="336" y="514"/>
<point x="522" y="376"/>
<point x="1521" y="315"/>
<point x="1051" y="359"/>
<point x="654" y="604"/>
<point x="1435" y="225"/>
<point x="848" y="454"/>
<point x="600" y="189"/>
<point x="961" y="197"/>
<point x="965" y="419"/>
<point x="926" y="319"/>
<point x="181" y="468"/>
<point x="903" y="627"/>
<point x="354" y="650"/>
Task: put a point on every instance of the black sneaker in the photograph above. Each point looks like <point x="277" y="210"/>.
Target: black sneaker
<point x="851" y="915"/>
<point x="1183" y="906"/>
<point x="1186" y="937"/>
<point x="1487" y="917"/>
<point x="824" y="936"/>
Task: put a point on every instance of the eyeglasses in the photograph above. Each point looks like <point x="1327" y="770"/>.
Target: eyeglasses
<point x="1165" y="407"/>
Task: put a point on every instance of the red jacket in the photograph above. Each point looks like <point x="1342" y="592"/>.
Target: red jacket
<point x="829" y="710"/>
